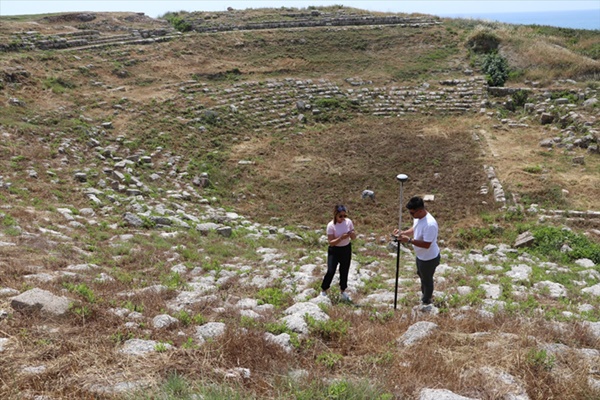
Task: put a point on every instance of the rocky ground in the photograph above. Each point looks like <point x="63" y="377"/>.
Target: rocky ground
<point x="502" y="276"/>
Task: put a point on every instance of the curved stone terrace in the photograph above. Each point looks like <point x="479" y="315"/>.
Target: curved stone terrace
<point x="284" y="102"/>
<point x="202" y="25"/>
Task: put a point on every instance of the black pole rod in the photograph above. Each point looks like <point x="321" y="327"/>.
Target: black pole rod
<point x="402" y="178"/>
<point x="397" y="272"/>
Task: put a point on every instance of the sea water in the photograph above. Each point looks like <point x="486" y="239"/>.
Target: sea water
<point x="580" y="19"/>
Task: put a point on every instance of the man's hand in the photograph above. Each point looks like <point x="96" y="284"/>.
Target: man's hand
<point x="404" y="239"/>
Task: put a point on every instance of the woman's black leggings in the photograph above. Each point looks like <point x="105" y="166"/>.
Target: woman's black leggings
<point x="338" y="255"/>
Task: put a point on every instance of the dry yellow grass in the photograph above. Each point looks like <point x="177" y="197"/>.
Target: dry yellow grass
<point x="515" y="151"/>
<point x="546" y="57"/>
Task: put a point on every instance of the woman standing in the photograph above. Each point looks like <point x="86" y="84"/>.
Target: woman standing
<point x="339" y="233"/>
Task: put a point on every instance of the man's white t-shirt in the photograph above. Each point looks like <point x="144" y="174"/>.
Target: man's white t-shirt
<point x="338" y="230"/>
<point x="426" y="229"/>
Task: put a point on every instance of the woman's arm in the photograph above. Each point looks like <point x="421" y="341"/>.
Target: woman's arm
<point x="333" y="241"/>
<point x="352" y="234"/>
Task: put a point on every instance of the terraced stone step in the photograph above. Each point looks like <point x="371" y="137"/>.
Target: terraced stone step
<point x="85" y="39"/>
<point x="202" y="25"/>
<point x="261" y="100"/>
<point x="132" y="41"/>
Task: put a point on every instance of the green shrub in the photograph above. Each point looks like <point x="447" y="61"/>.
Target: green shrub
<point x="549" y="241"/>
<point x="328" y="103"/>
<point x="187" y="319"/>
<point x="572" y="97"/>
<point x="121" y="337"/>
<point x="533" y="169"/>
<point x="277" y="328"/>
<point x="329" y="359"/>
<point x="274" y="296"/>
<point x="495" y="68"/>
<point x="336" y="389"/>
<point x="210" y="117"/>
<point x="173" y="280"/>
<point x="176" y="386"/>
<point x="178" y="22"/>
<point x="82" y="289"/>
<point x="330" y="329"/>
<point x="58" y="85"/>
<point x="131" y="306"/>
<point x="541" y="359"/>
<point x="81" y="311"/>
<point x="160" y="347"/>
<point x="231" y="75"/>
<point x="476" y="235"/>
<point x="520" y="98"/>
<point x="548" y="197"/>
<point x="7" y="220"/>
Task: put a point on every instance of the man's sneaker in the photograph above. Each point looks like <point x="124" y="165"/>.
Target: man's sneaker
<point x="324" y="293"/>
<point x="346" y="297"/>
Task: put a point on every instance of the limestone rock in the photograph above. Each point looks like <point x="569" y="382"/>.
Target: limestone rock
<point x="38" y="299"/>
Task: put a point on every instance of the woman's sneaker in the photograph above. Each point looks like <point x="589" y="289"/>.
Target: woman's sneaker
<point x="346" y="297"/>
<point x="324" y="293"/>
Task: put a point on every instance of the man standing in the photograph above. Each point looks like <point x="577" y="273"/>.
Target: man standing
<point x="423" y="237"/>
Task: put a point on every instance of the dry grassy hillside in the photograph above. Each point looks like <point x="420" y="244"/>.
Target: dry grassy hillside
<point x="124" y="139"/>
<point x="347" y="152"/>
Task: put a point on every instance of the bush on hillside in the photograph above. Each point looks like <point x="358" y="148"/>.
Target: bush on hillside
<point x="495" y="67"/>
<point x="483" y="41"/>
<point x="178" y="22"/>
<point x="519" y="98"/>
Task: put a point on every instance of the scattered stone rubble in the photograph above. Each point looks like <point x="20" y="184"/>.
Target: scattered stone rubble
<point x="573" y="118"/>
<point x="203" y="285"/>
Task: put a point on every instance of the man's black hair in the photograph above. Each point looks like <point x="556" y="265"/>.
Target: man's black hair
<point x="415" y="203"/>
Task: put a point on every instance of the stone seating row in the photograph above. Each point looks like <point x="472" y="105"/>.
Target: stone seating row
<point x="261" y="100"/>
<point x="84" y="39"/>
<point x="202" y="25"/>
